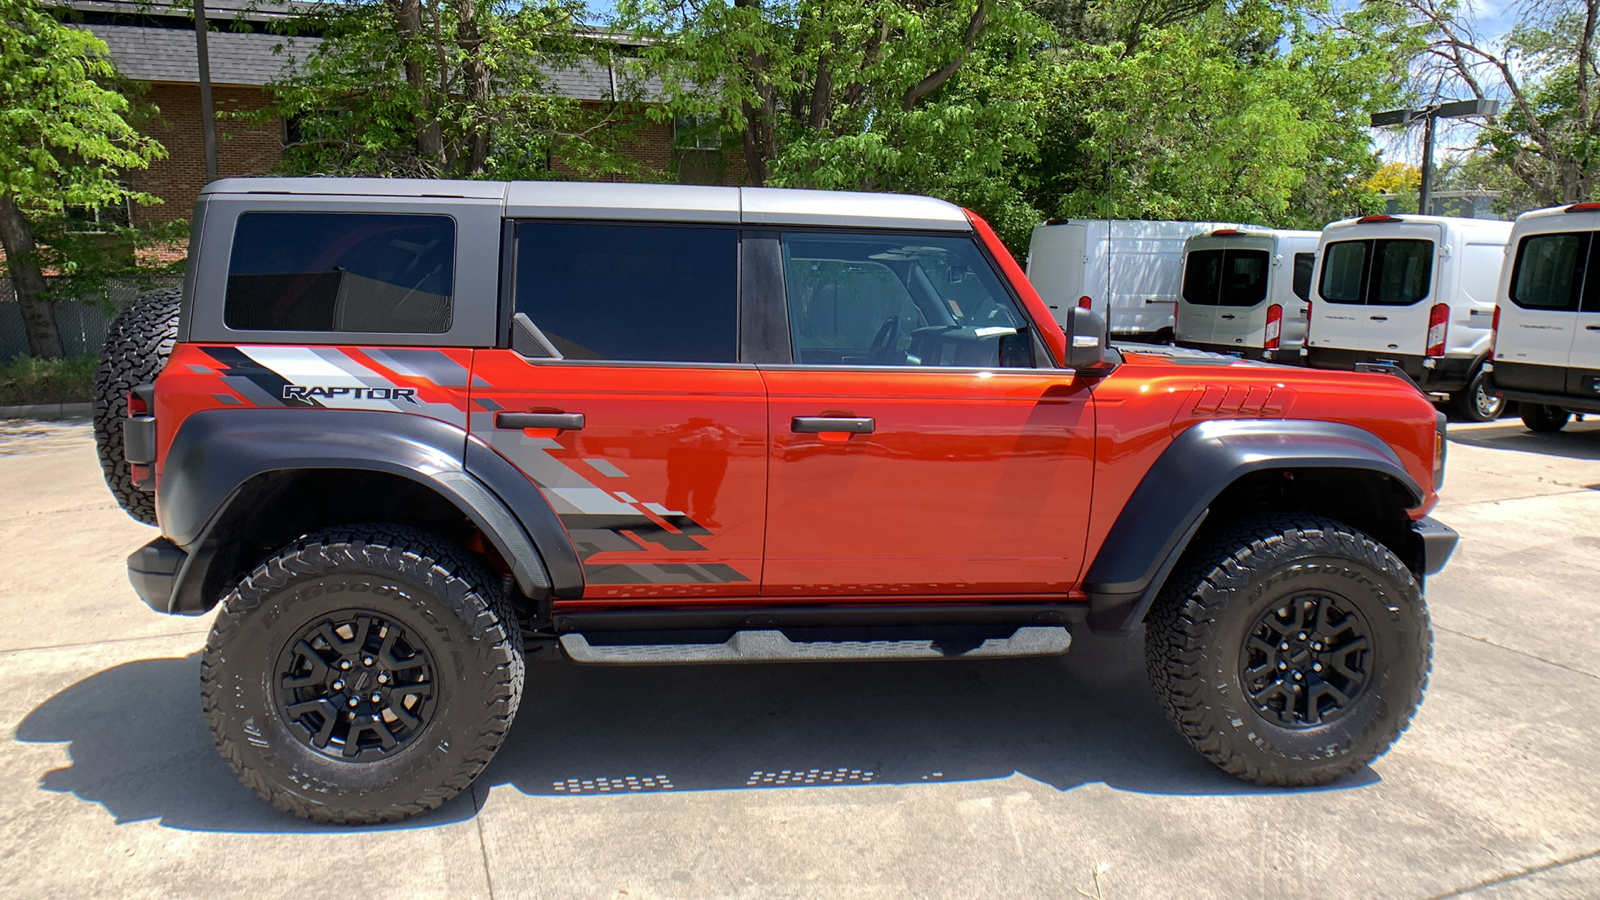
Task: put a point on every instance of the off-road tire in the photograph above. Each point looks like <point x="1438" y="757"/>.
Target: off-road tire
<point x="1544" y="419"/>
<point x="136" y="348"/>
<point x="1197" y="633"/>
<point x="434" y="591"/>
<point x="1475" y="402"/>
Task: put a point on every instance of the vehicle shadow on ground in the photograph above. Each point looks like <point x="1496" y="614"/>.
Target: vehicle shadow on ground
<point x="1580" y="440"/>
<point x="140" y="748"/>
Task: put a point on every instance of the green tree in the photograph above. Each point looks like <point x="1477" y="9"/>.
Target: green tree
<point x="1253" y="112"/>
<point x="65" y="141"/>
<point x="444" y="89"/>
<point x="922" y="96"/>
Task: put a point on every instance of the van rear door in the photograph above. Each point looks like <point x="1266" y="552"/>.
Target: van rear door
<point x="1376" y="281"/>
<point x="1197" y="298"/>
<point x="1540" y="323"/>
<point x="1057" y="256"/>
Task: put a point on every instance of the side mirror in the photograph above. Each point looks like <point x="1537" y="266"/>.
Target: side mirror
<point x="1087" y="346"/>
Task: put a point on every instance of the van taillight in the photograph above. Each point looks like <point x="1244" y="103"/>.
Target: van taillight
<point x="1274" y="327"/>
<point x="1305" y="339"/>
<point x="1438" y="325"/>
<point x="136" y="405"/>
<point x="1085" y="303"/>
<point x="1494" y="330"/>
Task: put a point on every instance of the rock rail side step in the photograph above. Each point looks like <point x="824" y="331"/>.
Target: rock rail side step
<point x="774" y="646"/>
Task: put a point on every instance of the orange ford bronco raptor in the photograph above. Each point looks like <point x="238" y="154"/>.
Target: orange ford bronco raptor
<point x="398" y="428"/>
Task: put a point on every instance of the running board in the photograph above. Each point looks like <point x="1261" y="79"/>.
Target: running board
<point x="774" y="646"/>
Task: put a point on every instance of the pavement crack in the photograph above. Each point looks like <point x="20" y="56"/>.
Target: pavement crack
<point x="483" y="845"/>
<point x="121" y="640"/>
<point x="1484" y="640"/>
<point x="1514" y="876"/>
<point x="1578" y="489"/>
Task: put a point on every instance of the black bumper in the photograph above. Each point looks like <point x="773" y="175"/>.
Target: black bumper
<point x="153" y="569"/>
<point x="1438" y="542"/>
<point x="1447" y="375"/>
<point x="1560" y="401"/>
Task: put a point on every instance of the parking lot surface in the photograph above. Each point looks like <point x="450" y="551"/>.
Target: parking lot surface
<point x="1020" y="778"/>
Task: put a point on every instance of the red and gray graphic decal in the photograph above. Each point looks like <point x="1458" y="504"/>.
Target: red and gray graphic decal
<point x="421" y="382"/>
<point x="605" y="521"/>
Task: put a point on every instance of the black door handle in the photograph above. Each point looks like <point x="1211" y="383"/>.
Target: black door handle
<point x="1591" y="328"/>
<point x="562" y="421"/>
<point x="1379" y="318"/>
<point x="824" y="424"/>
<point x="1228" y="317"/>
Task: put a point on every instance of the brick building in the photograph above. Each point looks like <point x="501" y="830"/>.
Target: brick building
<point x="153" y="43"/>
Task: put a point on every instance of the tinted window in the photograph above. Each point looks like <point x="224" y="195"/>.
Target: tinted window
<point x="341" y="272"/>
<point x="1344" y="272"/>
<point x="1304" y="263"/>
<point x="651" y="293"/>
<point x="1377" y="273"/>
<point x="1226" y="277"/>
<point x="1548" y="272"/>
<point x="1402" y="272"/>
<point x="896" y="300"/>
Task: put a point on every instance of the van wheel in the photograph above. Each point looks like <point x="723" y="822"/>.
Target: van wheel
<point x="1544" y="419"/>
<point x="1289" y="650"/>
<point x="362" y="674"/>
<point x="1476" y="402"/>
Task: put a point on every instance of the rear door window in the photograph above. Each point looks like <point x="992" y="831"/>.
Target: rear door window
<point x="1548" y="273"/>
<point x="1226" y="277"/>
<point x="1304" y="263"/>
<point x="1387" y="272"/>
<point x="362" y="272"/>
<point x="645" y="293"/>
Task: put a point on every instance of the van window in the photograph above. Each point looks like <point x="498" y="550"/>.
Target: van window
<point x="1390" y="272"/>
<point x="1304" y="263"/>
<point x="638" y="293"/>
<point x="1225" y="277"/>
<point x="371" y="272"/>
<point x="1548" y="272"/>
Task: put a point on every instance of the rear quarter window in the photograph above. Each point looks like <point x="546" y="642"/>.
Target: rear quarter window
<point x="358" y="272"/>
<point x="1304" y="263"/>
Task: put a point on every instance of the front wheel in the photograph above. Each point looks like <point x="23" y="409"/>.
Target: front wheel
<point x="1477" y="402"/>
<point x="362" y="674"/>
<point x="1290" y="650"/>
<point x="1544" y="419"/>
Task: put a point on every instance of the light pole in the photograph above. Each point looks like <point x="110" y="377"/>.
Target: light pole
<point x="1451" y="109"/>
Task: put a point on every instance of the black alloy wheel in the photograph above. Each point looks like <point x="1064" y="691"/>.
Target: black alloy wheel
<point x="1307" y="661"/>
<point x="355" y="685"/>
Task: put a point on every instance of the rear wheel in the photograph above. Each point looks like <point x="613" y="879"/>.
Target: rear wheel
<point x="1477" y="402"/>
<point x="362" y="674"/>
<point x="1544" y="419"/>
<point x="1289" y="650"/>
<point x="136" y="349"/>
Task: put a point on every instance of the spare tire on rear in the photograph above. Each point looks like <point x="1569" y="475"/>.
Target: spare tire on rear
<point x="136" y="348"/>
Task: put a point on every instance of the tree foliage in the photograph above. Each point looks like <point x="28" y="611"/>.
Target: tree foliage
<point x="65" y="142"/>
<point x="445" y="89"/>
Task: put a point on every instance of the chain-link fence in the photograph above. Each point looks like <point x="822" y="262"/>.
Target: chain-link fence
<point x="83" y="323"/>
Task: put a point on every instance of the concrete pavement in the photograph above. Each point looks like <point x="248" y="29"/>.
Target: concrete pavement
<point x="1021" y="778"/>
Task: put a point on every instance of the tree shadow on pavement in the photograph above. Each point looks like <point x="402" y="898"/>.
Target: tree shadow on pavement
<point x="140" y="748"/>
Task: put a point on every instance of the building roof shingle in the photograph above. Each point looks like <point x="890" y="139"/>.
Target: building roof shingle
<point x="168" y="55"/>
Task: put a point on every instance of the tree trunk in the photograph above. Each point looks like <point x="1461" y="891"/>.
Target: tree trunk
<point x="430" y="142"/>
<point x="469" y="37"/>
<point x="38" y="315"/>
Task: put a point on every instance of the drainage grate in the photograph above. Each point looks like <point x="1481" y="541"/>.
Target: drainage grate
<point x="784" y="777"/>
<point x="612" y="785"/>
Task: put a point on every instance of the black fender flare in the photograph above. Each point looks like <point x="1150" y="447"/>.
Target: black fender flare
<point x="1171" y="502"/>
<point x="217" y="452"/>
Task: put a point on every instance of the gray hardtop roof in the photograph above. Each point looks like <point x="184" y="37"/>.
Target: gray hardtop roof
<point x="638" y="202"/>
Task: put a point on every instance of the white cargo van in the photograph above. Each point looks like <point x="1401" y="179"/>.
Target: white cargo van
<point x="1547" y="325"/>
<point x="1416" y="291"/>
<point x="1245" y="292"/>
<point x="1127" y="271"/>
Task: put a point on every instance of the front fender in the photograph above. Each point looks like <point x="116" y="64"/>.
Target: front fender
<point x="1172" y="501"/>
